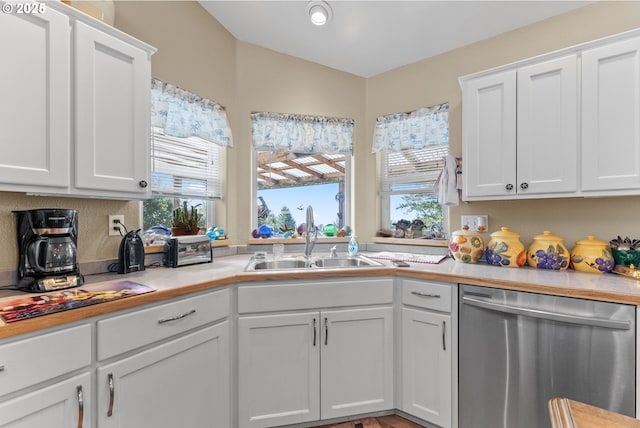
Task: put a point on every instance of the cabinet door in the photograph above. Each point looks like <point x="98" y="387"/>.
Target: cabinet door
<point x="611" y="117"/>
<point x="35" y="101"/>
<point x="489" y="135"/>
<point x="65" y="404"/>
<point x="112" y="87"/>
<point x="357" y="362"/>
<point x="279" y="369"/>
<point x="426" y="366"/>
<point x="182" y="383"/>
<point x="548" y="127"/>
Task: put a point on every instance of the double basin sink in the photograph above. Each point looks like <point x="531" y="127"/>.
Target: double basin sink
<point x="313" y="262"/>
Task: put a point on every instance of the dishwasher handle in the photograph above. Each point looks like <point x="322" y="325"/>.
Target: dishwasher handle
<point x="547" y="315"/>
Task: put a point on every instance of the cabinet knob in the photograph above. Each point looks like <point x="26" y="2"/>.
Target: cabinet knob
<point x="509" y="187"/>
<point x="143" y="183"/>
<point x="524" y="186"/>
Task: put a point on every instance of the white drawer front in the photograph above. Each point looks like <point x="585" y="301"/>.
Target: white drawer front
<point x="135" y="329"/>
<point x="310" y="295"/>
<point x="427" y="294"/>
<point x="39" y="358"/>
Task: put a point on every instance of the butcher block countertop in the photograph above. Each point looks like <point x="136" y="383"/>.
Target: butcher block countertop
<point x="565" y="413"/>
<point x="225" y="271"/>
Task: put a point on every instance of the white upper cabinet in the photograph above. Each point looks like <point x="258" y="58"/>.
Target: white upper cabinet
<point x="547" y="124"/>
<point x="563" y="124"/>
<point x="611" y="117"/>
<point x="94" y="144"/>
<point x="489" y="133"/>
<point x="35" y="102"/>
<point x="520" y="131"/>
<point x="112" y="88"/>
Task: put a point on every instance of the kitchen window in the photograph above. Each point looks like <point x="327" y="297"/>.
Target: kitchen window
<point x="188" y="155"/>
<point x="412" y="149"/>
<point x="301" y="161"/>
<point x="183" y="169"/>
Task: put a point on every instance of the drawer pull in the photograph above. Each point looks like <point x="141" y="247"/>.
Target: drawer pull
<point x="80" y="406"/>
<point x="1" y="369"/>
<point x="418" y="293"/>
<point x="112" y="394"/>
<point x="177" y="317"/>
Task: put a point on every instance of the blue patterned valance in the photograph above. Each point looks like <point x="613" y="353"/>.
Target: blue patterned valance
<point x="183" y="114"/>
<point x="416" y="130"/>
<point x="277" y="132"/>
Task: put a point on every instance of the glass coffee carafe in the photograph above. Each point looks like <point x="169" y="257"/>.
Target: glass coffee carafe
<point x="56" y="254"/>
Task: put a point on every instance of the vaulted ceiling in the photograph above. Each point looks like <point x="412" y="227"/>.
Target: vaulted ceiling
<point x="366" y="38"/>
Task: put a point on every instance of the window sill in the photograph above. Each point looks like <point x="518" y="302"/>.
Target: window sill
<point x="150" y="249"/>
<point x="269" y="241"/>
<point x="406" y="241"/>
<point x="376" y="240"/>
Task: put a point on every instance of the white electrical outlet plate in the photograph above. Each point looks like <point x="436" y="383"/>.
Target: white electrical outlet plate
<point x="114" y="228"/>
<point x="476" y="223"/>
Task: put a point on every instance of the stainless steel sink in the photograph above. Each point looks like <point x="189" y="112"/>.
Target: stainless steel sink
<point x="278" y="264"/>
<point x="346" y="262"/>
<point x="301" y="262"/>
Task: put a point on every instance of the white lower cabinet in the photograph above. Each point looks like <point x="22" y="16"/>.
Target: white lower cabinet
<point x="65" y="404"/>
<point x="426" y="365"/>
<point x="308" y="366"/>
<point x="428" y="351"/>
<point x="45" y="380"/>
<point x="180" y="383"/>
<point x="357" y="362"/>
<point x="278" y="369"/>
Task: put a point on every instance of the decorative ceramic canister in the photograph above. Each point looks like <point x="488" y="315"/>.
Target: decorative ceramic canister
<point x="548" y="252"/>
<point x="592" y="255"/>
<point x="466" y="246"/>
<point x="505" y="249"/>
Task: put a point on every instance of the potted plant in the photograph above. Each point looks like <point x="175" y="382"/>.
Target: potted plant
<point x="185" y="220"/>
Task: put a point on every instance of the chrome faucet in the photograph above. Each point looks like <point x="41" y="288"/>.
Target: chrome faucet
<point x="333" y="252"/>
<point x="312" y="233"/>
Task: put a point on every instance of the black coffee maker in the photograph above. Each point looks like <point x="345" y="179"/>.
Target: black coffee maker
<point x="47" y="240"/>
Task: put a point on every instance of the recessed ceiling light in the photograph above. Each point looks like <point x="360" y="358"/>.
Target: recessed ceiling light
<point x="319" y="12"/>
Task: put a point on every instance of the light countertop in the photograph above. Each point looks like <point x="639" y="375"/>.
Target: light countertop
<point x="225" y="271"/>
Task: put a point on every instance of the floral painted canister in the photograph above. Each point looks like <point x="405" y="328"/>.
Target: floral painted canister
<point x="466" y="246"/>
<point x="548" y="252"/>
<point x="592" y="255"/>
<point x="505" y="249"/>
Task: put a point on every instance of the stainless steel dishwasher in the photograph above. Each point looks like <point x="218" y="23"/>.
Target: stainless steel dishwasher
<point x="517" y="350"/>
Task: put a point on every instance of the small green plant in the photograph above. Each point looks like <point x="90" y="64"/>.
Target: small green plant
<point x="186" y="217"/>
